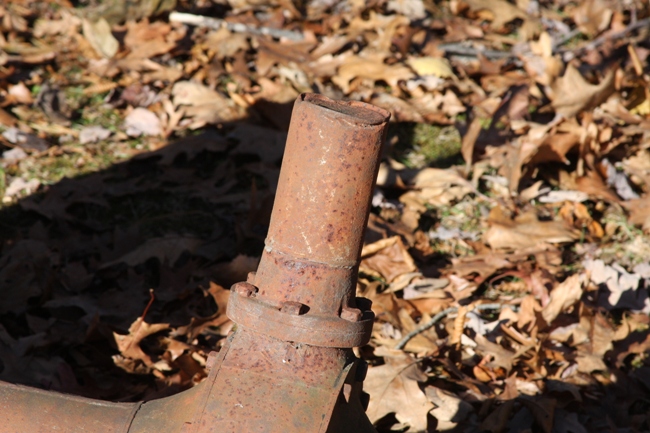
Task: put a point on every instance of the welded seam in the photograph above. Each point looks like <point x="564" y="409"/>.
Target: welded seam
<point x="134" y="413"/>
<point x="293" y="257"/>
<point x="211" y="380"/>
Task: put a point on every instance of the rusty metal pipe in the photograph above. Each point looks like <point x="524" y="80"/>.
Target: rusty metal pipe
<point x="288" y="366"/>
<point x="310" y="261"/>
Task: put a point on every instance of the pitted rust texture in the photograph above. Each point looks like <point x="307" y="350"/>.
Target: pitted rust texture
<point x="322" y="287"/>
<point x="328" y="173"/>
<point x="24" y="409"/>
<point x="316" y="233"/>
<point x="288" y="366"/>
<point x="268" y="385"/>
<point x="352" y="329"/>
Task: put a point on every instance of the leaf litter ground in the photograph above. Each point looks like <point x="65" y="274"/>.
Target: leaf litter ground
<point x="507" y="249"/>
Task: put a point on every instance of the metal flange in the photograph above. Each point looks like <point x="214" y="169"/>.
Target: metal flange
<point x="292" y="321"/>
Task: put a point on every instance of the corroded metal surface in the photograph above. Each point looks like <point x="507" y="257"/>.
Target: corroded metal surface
<point x="288" y="367"/>
<point x="29" y="410"/>
<point x="268" y="385"/>
<point x="304" y="288"/>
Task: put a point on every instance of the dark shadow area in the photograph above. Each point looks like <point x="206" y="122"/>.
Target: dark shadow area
<point x="155" y="236"/>
<point x="81" y="260"/>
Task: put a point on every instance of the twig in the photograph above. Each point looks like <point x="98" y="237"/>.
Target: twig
<point x="610" y="37"/>
<point x="566" y="38"/>
<point x="217" y="23"/>
<point x="152" y="297"/>
<point x="140" y="320"/>
<point x="464" y="50"/>
<point x="437" y="318"/>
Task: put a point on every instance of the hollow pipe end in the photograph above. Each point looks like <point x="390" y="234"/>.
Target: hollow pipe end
<point x="361" y="113"/>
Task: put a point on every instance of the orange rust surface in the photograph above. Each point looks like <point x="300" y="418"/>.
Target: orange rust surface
<point x="288" y="367"/>
<point x="317" y="224"/>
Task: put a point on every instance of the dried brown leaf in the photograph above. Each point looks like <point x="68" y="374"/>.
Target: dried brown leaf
<point x="496" y="421"/>
<point x="573" y="94"/>
<point x="129" y="345"/>
<point x="563" y="296"/>
<point x="592" y="184"/>
<point x="593" y="16"/>
<point x="639" y="210"/>
<point x="524" y="231"/>
<point x="450" y="409"/>
<point x="500" y="11"/>
<point x="388" y="257"/>
<point x="371" y="68"/>
<point x="99" y="36"/>
<point x="469" y="140"/>
<point x="501" y="358"/>
<point x="393" y="388"/>
<point x="204" y="105"/>
<point x="436" y="186"/>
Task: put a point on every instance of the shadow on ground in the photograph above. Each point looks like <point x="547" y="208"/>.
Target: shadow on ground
<point x="78" y="260"/>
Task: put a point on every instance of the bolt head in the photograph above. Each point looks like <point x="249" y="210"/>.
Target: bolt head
<point x="293" y="308"/>
<point x="244" y="289"/>
<point x="351" y="314"/>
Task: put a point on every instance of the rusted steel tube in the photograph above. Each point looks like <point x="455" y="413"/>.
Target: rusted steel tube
<point x="25" y="409"/>
<point x="328" y="173"/>
<point x="308" y="270"/>
<point x="288" y="367"/>
<point x="31" y="410"/>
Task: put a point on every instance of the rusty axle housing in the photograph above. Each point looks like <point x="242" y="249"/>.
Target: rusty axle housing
<point x="288" y="366"/>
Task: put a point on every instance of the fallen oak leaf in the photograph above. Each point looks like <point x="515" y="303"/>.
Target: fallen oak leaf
<point x="524" y="231"/>
<point x="617" y="287"/>
<point x="99" y="36"/>
<point x="437" y="66"/>
<point x="592" y="183"/>
<point x="204" y="105"/>
<point x="450" y="409"/>
<point x="434" y="186"/>
<point x="501" y="358"/>
<point x="413" y="9"/>
<point x="573" y="94"/>
<point x="563" y="296"/>
<point x="388" y="257"/>
<point x="500" y="12"/>
<point x="146" y="40"/>
<point x="639" y="210"/>
<point x="372" y="68"/>
<point x="592" y="16"/>
<point x="129" y="345"/>
<point x="400" y="110"/>
<point x="393" y="388"/>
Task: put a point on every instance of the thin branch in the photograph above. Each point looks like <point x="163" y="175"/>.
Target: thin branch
<point x="463" y="50"/>
<point x="217" y="23"/>
<point x="610" y="37"/>
<point x="437" y="318"/>
<point x="565" y="38"/>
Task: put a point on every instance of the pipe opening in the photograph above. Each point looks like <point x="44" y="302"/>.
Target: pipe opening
<point x="364" y="114"/>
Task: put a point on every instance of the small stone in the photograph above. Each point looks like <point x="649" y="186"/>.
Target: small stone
<point x="93" y="134"/>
